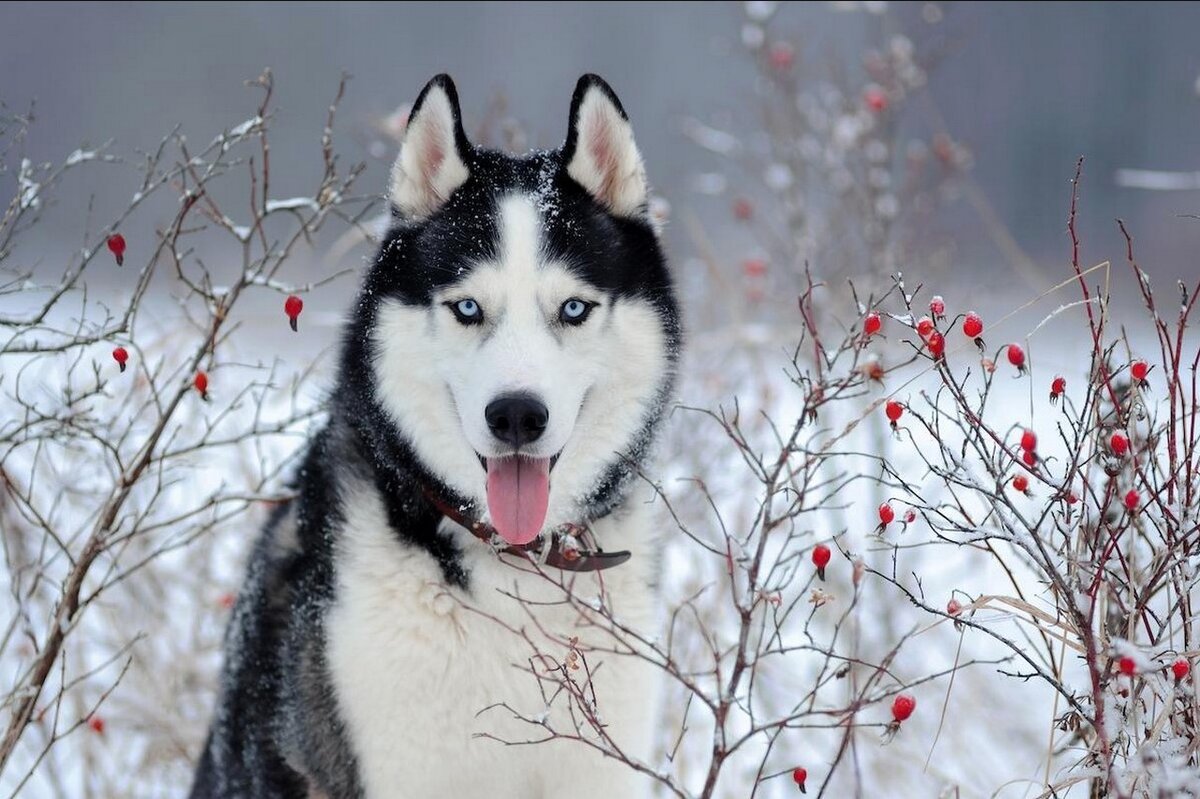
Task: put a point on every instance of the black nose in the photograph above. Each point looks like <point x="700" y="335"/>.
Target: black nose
<point x="517" y="419"/>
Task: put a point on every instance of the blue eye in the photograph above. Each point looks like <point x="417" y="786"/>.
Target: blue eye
<point x="467" y="311"/>
<point x="574" y="311"/>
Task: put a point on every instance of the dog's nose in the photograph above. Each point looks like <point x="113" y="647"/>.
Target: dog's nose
<point x="517" y="419"/>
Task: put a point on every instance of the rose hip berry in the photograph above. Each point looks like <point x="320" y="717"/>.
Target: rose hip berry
<point x="292" y="307"/>
<point x="201" y="384"/>
<point x="121" y="356"/>
<point x="1128" y="666"/>
<point x="1119" y="444"/>
<point x="1020" y="483"/>
<point x="754" y="267"/>
<point x="1016" y="356"/>
<point x="800" y="776"/>
<point x="972" y="326"/>
<point x="1180" y="669"/>
<point x="1132" y="500"/>
<point x="1139" y="370"/>
<point x="953" y="607"/>
<point x="782" y="55"/>
<point x="936" y="343"/>
<point x="872" y="324"/>
<point x="937" y="306"/>
<point x="924" y="326"/>
<point x="876" y="100"/>
<point x="886" y="515"/>
<point x="1057" y="388"/>
<point x="903" y="707"/>
<point x="894" y="411"/>
<point x="1029" y="457"/>
<point x="820" y="558"/>
<point x="96" y="723"/>
<point x="116" y="245"/>
<point x="1029" y="440"/>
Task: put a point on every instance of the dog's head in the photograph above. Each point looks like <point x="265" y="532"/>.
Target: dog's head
<point x="519" y="323"/>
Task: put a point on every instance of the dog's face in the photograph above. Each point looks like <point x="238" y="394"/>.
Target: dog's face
<point x="524" y="330"/>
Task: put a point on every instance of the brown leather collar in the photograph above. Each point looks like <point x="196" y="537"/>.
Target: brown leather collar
<point x="566" y="549"/>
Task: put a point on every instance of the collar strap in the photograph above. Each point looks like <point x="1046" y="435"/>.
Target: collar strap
<point x="566" y="551"/>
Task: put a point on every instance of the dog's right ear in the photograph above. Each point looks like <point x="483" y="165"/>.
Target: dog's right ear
<point x="433" y="154"/>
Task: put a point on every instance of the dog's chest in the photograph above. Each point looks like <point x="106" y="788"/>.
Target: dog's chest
<point x="429" y="677"/>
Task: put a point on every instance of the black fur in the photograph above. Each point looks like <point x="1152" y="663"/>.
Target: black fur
<point x="277" y="728"/>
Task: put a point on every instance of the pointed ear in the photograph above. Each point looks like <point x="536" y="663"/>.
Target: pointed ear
<point x="600" y="153"/>
<point x="433" y="153"/>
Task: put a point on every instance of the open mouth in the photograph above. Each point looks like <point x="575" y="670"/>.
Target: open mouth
<point x="484" y="461"/>
<point x="518" y="495"/>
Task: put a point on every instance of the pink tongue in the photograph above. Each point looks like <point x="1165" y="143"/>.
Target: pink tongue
<point x="518" y="492"/>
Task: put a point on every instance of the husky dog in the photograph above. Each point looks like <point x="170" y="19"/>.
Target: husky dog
<point x="502" y="377"/>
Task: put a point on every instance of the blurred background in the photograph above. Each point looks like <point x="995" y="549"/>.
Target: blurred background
<point x="857" y="139"/>
<point x="1025" y="87"/>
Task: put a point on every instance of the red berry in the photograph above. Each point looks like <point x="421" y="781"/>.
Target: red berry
<point x="1128" y="666"/>
<point x="872" y="324"/>
<point x="924" y="326"/>
<point x="1119" y="444"/>
<point x="742" y="209"/>
<point x="1021" y="483"/>
<point x="1132" y="500"/>
<point x="910" y="516"/>
<point x="1180" y="668"/>
<point x="953" y="607"/>
<point x="1072" y="497"/>
<point x="121" y="356"/>
<point x="1029" y="457"/>
<point x="894" y="411"/>
<point x="1029" y="440"/>
<point x="936" y="344"/>
<point x="1057" y="388"/>
<point x="876" y="99"/>
<point x="754" y="267"/>
<point x="886" y="514"/>
<point x="903" y="707"/>
<point x="1016" y="356"/>
<point x="201" y="384"/>
<point x="782" y="55"/>
<point x="292" y="306"/>
<point x="799" y="775"/>
<point x="1139" y="369"/>
<point x="937" y="306"/>
<point x="820" y="558"/>
<point x="116" y="245"/>
<point x="96" y="723"/>
<point x="972" y="325"/>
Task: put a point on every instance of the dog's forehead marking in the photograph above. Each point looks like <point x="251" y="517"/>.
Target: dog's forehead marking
<point x="520" y="235"/>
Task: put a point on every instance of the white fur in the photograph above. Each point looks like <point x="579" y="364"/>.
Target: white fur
<point x="414" y="663"/>
<point x="598" y="380"/>
<point x="429" y="167"/>
<point x="606" y="161"/>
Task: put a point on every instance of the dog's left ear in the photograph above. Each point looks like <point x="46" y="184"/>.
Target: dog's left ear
<point x="600" y="152"/>
<point x="433" y="154"/>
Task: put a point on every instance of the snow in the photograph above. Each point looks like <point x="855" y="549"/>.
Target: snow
<point x="710" y="138"/>
<point x="80" y="156"/>
<point x="295" y="203"/>
<point x="1157" y="180"/>
<point x="28" y="190"/>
